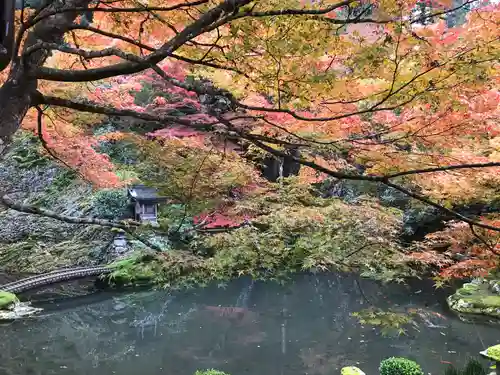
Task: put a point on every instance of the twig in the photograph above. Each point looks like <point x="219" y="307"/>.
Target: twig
<point x="483" y="240"/>
<point x="46" y="147"/>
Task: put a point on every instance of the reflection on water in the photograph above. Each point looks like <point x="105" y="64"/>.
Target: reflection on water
<point x="303" y="327"/>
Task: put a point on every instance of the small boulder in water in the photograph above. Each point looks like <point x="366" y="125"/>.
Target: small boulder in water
<point x="351" y="370"/>
<point x="480" y="297"/>
<point x="18" y="310"/>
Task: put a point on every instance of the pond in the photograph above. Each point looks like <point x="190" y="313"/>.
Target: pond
<point x="245" y="327"/>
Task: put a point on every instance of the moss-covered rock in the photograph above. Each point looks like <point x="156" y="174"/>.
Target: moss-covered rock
<point x="351" y="370"/>
<point x="7" y="300"/>
<point x="479" y="297"/>
<point x="493" y="352"/>
<point x="175" y="269"/>
<point x="19" y="310"/>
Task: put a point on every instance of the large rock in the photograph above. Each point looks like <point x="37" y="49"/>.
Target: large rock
<point x="479" y="297"/>
<point x="351" y="370"/>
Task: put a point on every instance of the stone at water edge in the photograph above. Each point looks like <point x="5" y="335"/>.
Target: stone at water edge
<point x="7" y="300"/>
<point x="351" y="370"/>
<point x="478" y="297"/>
<point x="11" y="308"/>
<point x="493" y="352"/>
<point x="19" y="310"/>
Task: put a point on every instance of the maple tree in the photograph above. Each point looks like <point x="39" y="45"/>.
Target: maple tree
<point x="382" y="91"/>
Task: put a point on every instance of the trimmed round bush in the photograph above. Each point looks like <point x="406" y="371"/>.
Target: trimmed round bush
<point x="399" y="366"/>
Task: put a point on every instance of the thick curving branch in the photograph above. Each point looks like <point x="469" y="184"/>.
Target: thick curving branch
<point x="216" y="17"/>
<point x="29" y="209"/>
<point x="443" y="169"/>
<point x="15" y="93"/>
<point x="381" y="179"/>
<point x="43" y="14"/>
<point x="126" y="226"/>
<point x="112" y="111"/>
<point x="206" y="22"/>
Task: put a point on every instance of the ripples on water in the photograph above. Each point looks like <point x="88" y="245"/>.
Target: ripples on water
<point x="303" y="327"/>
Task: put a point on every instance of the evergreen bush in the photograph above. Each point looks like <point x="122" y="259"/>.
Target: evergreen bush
<point x="110" y="203"/>
<point x="399" y="366"/>
<point x="473" y="367"/>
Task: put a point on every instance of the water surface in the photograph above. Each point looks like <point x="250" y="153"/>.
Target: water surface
<point x="257" y="328"/>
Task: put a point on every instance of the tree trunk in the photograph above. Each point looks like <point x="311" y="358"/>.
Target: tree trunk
<point x="17" y="92"/>
<point x="15" y="100"/>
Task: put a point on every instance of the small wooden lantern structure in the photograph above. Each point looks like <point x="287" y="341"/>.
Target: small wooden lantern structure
<point x="145" y="200"/>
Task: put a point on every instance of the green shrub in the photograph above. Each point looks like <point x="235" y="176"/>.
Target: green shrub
<point x="27" y="151"/>
<point x="110" y="203"/>
<point x="399" y="366"/>
<point x="209" y="372"/>
<point x="473" y="367"/>
<point x="122" y="152"/>
<point x="451" y="370"/>
<point x="62" y="180"/>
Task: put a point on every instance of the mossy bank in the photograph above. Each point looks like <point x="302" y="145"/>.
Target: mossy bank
<point x="35" y="244"/>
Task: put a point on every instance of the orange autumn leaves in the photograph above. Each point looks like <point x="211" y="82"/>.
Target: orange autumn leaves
<point x="318" y="73"/>
<point x="458" y="252"/>
<point x="74" y="147"/>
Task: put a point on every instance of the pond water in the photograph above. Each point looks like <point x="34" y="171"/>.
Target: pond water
<point x="246" y="327"/>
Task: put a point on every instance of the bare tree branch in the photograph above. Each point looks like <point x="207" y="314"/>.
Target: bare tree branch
<point x="29" y="209"/>
<point x="426" y="200"/>
<point x="44" y="142"/>
<point x="112" y="35"/>
<point x="126" y="226"/>
<point x="208" y="21"/>
<point x="382" y="179"/>
<point x="45" y="14"/>
<point x="111" y="111"/>
<point x="442" y="169"/>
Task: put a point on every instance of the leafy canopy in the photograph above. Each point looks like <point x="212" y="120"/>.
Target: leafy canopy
<point x="374" y="90"/>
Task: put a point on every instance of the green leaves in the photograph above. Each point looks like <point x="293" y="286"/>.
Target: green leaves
<point x="399" y="366"/>
<point x="110" y="203"/>
<point x="298" y="231"/>
<point x="388" y="322"/>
